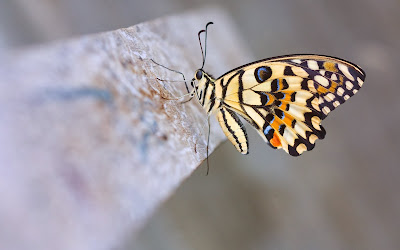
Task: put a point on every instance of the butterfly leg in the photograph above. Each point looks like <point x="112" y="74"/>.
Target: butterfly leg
<point x="178" y="72"/>
<point x="208" y="142"/>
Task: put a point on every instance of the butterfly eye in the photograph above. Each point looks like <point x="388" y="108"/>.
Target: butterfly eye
<point x="199" y="74"/>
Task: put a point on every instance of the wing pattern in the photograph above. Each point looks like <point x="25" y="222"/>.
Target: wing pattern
<point x="286" y="98"/>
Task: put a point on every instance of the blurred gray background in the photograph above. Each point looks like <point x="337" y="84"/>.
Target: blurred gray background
<point x="342" y="195"/>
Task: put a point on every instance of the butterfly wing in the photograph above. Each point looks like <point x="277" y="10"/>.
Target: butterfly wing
<point x="286" y="98"/>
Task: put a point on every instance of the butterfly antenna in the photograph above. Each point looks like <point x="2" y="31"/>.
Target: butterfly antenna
<point x="178" y="72"/>
<point x="204" y="52"/>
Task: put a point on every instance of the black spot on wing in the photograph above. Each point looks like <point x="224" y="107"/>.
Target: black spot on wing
<point x="279" y="113"/>
<point x="264" y="98"/>
<point x="269" y="118"/>
<point x="282" y="129"/>
<point x="285" y="84"/>
<point x="279" y="95"/>
<point x="293" y="97"/>
<point x="274" y="85"/>
<point x="304" y="84"/>
<point x="288" y="71"/>
<point x="277" y="103"/>
<point x="262" y="73"/>
<point x="294" y="123"/>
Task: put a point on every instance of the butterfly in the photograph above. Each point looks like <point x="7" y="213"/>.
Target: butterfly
<point x="284" y="98"/>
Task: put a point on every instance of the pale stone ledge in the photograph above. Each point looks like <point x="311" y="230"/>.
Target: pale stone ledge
<point x="89" y="148"/>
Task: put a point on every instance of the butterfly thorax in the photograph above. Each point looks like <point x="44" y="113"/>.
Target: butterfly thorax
<point x="204" y="88"/>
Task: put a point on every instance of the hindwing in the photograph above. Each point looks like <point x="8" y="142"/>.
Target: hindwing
<point x="286" y="98"/>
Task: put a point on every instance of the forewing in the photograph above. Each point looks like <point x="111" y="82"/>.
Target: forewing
<point x="285" y="98"/>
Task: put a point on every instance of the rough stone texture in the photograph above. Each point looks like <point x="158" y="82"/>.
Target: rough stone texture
<point x="89" y="146"/>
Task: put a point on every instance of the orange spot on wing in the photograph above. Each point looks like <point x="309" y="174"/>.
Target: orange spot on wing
<point x="340" y="80"/>
<point x="275" y="141"/>
<point x="333" y="87"/>
<point x="322" y="90"/>
<point x="288" y="119"/>
<point x="330" y="66"/>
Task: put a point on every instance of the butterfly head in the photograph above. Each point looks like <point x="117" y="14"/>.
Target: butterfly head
<point x="199" y="74"/>
<point x="199" y="79"/>
<point x="200" y="83"/>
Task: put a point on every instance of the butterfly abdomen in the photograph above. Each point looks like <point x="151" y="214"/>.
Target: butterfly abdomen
<point x="233" y="129"/>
